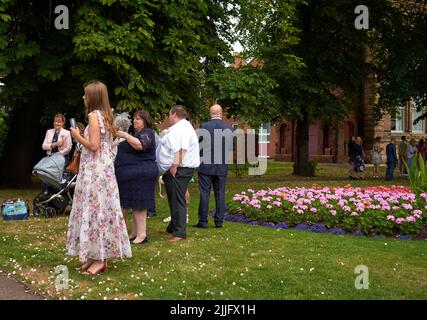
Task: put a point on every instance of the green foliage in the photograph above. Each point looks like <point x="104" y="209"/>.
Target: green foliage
<point x="246" y="93"/>
<point x="398" y="47"/>
<point x="418" y="175"/>
<point x="3" y="127"/>
<point x="314" y="80"/>
<point x="313" y="166"/>
<point x="151" y="55"/>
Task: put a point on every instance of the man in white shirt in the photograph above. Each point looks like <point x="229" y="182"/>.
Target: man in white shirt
<point x="178" y="157"/>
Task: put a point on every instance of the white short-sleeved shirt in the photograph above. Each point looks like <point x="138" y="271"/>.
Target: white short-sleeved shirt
<point x="180" y="136"/>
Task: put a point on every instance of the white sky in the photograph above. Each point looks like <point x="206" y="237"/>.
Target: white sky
<point x="237" y="47"/>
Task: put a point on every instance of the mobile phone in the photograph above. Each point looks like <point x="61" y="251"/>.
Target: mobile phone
<point x="73" y="123"/>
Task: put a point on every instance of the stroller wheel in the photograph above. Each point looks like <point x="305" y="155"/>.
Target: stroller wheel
<point x="37" y="209"/>
<point x="49" y="212"/>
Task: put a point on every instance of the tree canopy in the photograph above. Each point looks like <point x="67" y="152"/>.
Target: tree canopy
<point x="321" y="63"/>
<point x="151" y="54"/>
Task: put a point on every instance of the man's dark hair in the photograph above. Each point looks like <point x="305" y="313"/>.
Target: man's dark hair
<point x="180" y="111"/>
<point x="403" y="138"/>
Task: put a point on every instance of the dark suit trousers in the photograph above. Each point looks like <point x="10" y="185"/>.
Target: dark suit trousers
<point x="175" y="190"/>
<point x="205" y="183"/>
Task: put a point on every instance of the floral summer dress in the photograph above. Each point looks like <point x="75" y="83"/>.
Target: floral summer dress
<point x="96" y="228"/>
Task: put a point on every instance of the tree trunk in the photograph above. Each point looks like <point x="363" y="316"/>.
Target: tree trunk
<point x="301" y="165"/>
<point x="21" y="144"/>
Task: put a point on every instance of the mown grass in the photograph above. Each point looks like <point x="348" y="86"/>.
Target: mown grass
<point x="235" y="262"/>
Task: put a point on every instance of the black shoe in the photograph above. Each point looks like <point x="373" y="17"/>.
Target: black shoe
<point x="143" y="241"/>
<point x="199" y="225"/>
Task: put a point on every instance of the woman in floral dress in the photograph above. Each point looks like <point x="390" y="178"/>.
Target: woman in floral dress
<point x="97" y="230"/>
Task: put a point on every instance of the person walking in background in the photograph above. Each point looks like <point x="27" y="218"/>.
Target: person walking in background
<point x="359" y="158"/>
<point x="402" y="151"/>
<point x="391" y="158"/>
<point x="214" y="172"/>
<point x="178" y="157"/>
<point x="96" y="229"/>
<point x="136" y="172"/>
<point x="422" y="150"/>
<point x="411" y="153"/>
<point x="376" y="158"/>
<point x="351" y="158"/>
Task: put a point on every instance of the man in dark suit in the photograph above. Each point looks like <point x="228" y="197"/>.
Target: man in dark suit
<point x="213" y="165"/>
<point x="391" y="158"/>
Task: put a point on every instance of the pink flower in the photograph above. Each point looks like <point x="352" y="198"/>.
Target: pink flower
<point x="400" y="220"/>
<point x="410" y="219"/>
<point x="314" y="210"/>
<point x="390" y="217"/>
<point x="407" y="206"/>
<point x="269" y="207"/>
<point x="354" y="214"/>
<point x="333" y="212"/>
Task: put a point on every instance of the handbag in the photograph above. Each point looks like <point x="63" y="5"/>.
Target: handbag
<point x="74" y="164"/>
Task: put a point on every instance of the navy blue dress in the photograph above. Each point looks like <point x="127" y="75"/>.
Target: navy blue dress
<point x="137" y="172"/>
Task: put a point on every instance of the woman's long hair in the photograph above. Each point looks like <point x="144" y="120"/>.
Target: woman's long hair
<point x="96" y="98"/>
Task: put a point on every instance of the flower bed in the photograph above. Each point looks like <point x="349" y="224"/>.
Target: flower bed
<point x="368" y="211"/>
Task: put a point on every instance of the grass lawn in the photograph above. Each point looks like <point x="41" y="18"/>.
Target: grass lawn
<point x="236" y="262"/>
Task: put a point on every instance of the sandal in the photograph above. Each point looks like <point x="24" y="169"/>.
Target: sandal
<point x="101" y="269"/>
<point x="85" y="265"/>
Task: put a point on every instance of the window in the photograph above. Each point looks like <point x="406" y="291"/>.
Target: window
<point x="420" y="125"/>
<point x="398" y="122"/>
<point x="264" y="133"/>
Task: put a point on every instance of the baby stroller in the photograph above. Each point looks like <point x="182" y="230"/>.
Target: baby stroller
<point x="50" y="170"/>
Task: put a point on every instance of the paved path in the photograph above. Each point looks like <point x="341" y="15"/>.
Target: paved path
<point x="12" y="289"/>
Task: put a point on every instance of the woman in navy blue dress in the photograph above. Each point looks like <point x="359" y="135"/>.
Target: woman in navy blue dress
<point x="136" y="172"/>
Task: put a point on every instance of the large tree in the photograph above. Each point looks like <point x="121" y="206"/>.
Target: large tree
<point x="334" y="60"/>
<point x="330" y="58"/>
<point x="398" y="43"/>
<point x="151" y="54"/>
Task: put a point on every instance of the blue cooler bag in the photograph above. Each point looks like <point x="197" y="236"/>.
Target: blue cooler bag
<point x="14" y="209"/>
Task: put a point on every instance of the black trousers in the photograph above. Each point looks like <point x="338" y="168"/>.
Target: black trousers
<point x="175" y="190"/>
<point x="205" y="184"/>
